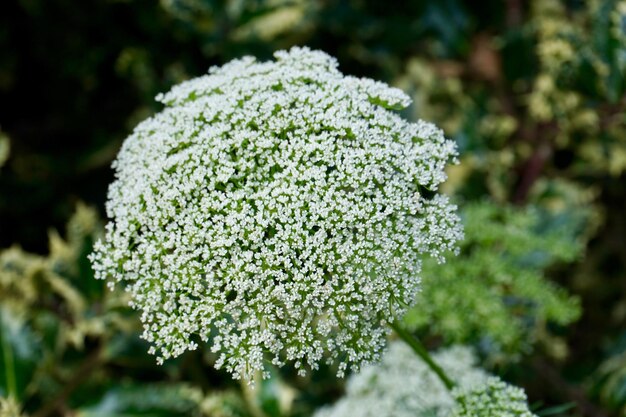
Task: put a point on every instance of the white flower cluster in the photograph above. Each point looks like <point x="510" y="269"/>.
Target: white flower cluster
<point x="402" y="385"/>
<point x="278" y="210"/>
<point x="493" y="398"/>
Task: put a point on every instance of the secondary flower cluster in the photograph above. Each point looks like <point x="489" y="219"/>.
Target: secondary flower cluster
<point x="492" y="398"/>
<point x="276" y="210"/>
<point x="402" y="385"/>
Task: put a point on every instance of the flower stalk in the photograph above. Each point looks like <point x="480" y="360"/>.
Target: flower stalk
<point x="421" y="351"/>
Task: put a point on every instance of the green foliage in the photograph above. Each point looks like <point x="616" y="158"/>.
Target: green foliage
<point x="581" y="79"/>
<point x="494" y="293"/>
<point x="58" y="292"/>
<point x="52" y="310"/>
<point x="56" y="324"/>
<point x="146" y="399"/>
<point x="608" y="381"/>
<point x="278" y="22"/>
<point x="546" y="95"/>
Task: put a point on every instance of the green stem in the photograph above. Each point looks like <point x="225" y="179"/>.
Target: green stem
<point x="422" y="353"/>
<point x="9" y="364"/>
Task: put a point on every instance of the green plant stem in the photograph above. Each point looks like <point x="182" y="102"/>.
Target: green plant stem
<point x="421" y="351"/>
<point x="9" y="364"/>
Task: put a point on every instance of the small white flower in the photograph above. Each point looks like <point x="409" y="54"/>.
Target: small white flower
<point x="277" y="211"/>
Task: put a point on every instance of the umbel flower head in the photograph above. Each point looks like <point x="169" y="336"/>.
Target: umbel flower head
<point x="493" y="398"/>
<point x="402" y="385"/>
<point x="277" y="210"/>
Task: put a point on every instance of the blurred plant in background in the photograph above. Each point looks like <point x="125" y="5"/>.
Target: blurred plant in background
<point x="532" y="92"/>
<point x="402" y="385"/>
<point x="494" y="294"/>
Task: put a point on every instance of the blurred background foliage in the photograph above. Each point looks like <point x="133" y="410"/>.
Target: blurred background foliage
<point x="533" y="92"/>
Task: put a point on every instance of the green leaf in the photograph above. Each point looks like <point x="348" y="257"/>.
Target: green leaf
<point x="19" y="355"/>
<point x="145" y="400"/>
<point x="557" y="409"/>
<point x="269" y="395"/>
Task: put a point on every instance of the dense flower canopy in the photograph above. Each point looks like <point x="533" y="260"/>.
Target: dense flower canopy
<point x="276" y="210"/>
